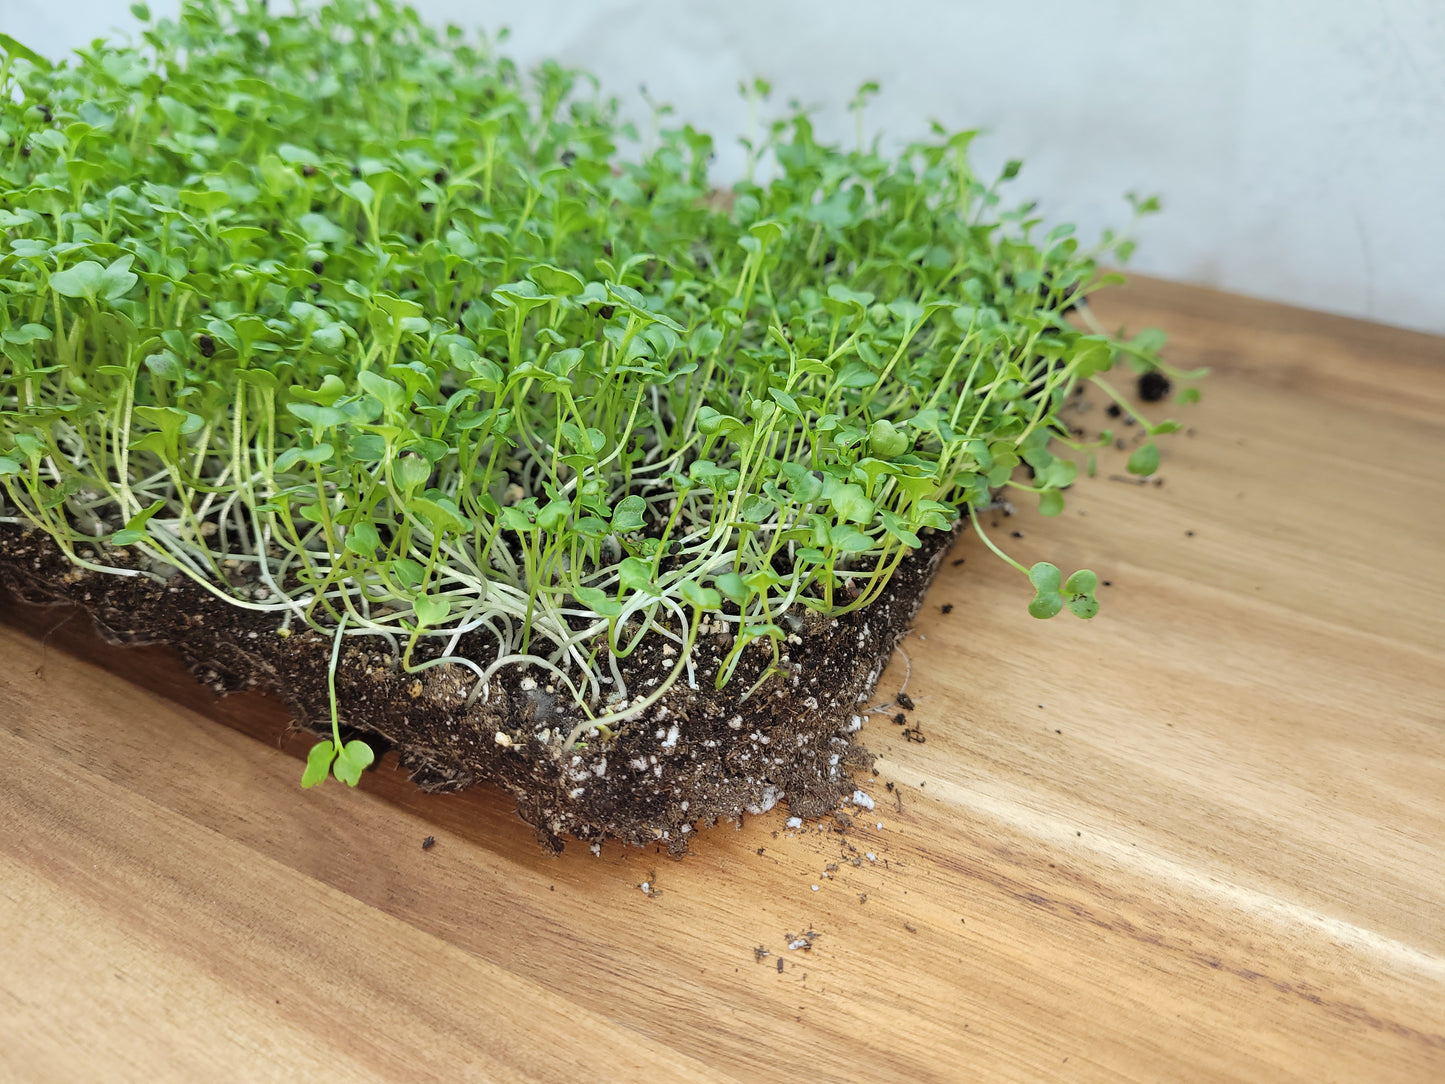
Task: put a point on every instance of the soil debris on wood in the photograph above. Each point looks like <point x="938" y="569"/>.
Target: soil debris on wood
<point x="1154" y="386"/>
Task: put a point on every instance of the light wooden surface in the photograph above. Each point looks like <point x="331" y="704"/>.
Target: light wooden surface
<point x="1202" y="837"/>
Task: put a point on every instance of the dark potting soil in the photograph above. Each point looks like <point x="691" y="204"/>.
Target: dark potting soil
<point x="697" y="755"/>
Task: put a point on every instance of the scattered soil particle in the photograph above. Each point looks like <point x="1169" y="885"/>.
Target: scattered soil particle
<point x="1154" y="386"/>
<point x="792" y="741"/>
<point x="780" y="965"/>
<point x="428" y="843"/>
<point x="904" y="701"/>
<point x="947" y="608"/>
<point x="1114" y="410"/>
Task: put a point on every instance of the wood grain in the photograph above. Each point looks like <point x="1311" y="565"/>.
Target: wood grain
<point x="1196" y="838"/>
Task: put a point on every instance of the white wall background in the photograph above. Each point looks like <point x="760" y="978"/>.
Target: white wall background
<point x="1299" y="145"/>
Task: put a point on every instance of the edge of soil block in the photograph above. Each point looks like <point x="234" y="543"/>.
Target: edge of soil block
<point x="698" y="755"/>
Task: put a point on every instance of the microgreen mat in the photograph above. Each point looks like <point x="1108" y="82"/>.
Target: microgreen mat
<point x="349" y="321"/>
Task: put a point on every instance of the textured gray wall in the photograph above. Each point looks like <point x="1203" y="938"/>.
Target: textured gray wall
<point x="1299" y="146"/>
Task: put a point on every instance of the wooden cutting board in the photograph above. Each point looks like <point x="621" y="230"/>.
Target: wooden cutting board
<point x="1201" y="837"/>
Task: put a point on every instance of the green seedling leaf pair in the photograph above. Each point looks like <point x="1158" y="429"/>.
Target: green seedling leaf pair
<point x="96" y="282"/>
<point x="1053" y="593"/>
<point x="345" y="762"/>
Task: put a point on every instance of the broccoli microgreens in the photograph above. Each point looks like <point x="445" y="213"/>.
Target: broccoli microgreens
<point x="348" y="321"/>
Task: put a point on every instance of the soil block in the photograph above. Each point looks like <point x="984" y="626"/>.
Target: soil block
<point x="698" y="755"/>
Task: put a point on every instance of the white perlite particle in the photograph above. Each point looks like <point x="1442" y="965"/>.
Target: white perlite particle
<point x="862" y="800"/>
<point x="765" y="802"/>
<point x="795" y="822"/>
